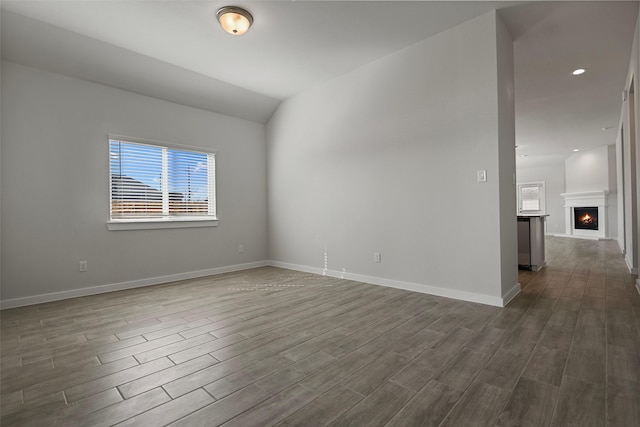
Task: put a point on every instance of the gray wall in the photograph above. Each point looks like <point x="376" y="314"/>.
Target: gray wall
<point x="588" y="170"/>
<point x="507" y="157"/>
<point x="55" y="186"/>
<point x="1" y="292"/>
<point x="384" y="159"/>
<point x="627" y="148"/>
<point x="553" y="176"/>
<point x="621" y="190"/>
<point x="592" y="170"/>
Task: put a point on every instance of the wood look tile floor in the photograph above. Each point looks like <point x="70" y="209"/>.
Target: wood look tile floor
<point x="275" y="347"/>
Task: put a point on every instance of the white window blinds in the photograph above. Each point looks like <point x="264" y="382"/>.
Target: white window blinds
<point x="531" y="198"/>
<point x="154" y="181"/>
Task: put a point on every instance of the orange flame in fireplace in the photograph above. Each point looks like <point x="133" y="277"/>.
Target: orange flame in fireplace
<point x="586" y="219"/>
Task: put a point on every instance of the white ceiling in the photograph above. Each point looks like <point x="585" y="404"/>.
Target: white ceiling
<point x="555" y="111"/>
<point x="174" y="50"/>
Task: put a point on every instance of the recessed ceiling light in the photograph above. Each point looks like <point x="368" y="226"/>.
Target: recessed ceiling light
<point x="523" y="155"/>
<point x="578" y="71"/>
<point x="576" y="149"/>
<point x="606" y="128"/>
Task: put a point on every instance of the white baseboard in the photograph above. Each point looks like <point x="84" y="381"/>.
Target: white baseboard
<point x="571" y="236"/>
<point x="513" y="292"/>
<point x="407" y="286"/>
<point x="630" y="265"/>
<point x="101" y="289"/>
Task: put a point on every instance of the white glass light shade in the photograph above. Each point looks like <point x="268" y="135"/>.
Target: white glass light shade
<point x="234" y="20"/>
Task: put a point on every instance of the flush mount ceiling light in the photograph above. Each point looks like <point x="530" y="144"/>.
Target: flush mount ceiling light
<point x="578" y="71"/>
<point x="234" y="20"/>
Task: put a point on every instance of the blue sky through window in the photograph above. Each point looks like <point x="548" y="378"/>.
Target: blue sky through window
<point x="187" y="170"/>
<point x="188" y="174"/>
<point x="140" y="162"/>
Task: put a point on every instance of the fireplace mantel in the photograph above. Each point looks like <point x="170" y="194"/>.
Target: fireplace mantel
<point x="598" y="198"/>
<point x="586" y="198"/>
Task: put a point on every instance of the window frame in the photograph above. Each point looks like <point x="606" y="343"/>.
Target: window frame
<point x="169" y="221"/>
<point x="541" y="198"/>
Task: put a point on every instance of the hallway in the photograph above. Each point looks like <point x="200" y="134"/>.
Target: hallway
<point x="586" y="304"/>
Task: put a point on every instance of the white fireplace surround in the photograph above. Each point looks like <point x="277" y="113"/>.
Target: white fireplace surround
<point x="587" y="199"/>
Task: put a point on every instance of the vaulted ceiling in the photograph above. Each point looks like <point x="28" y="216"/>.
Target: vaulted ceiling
<point x="175" y="50"/>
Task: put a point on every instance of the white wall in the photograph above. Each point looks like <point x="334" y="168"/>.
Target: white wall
<point x="553" y="176"/>
<point x="507" y="157"/>
<point x="55" y="186"/>
<point x="621" y="188"/>
<point x="631" y="118"/>
<point x="612" y="214"/>
<point x="629" y="148"/>
<point x="0" y="166"/>
<point x="588" y="170"/>
<point x="592" y="170"/>
<point x="384" y="159"/>
<point x="635" y="60"/>
<point x="628" y="161"/>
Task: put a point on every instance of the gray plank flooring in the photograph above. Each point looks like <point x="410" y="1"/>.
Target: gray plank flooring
<point x="270" y="347"/>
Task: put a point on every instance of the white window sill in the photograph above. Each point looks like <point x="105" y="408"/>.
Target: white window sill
<point x="157" y="223"/>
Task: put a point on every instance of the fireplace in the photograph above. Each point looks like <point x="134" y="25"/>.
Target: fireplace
<point x="586" y="214"/>
<point x="585" y="218"/>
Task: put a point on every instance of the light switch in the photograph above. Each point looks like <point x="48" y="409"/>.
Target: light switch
<point x="482" y="176"/>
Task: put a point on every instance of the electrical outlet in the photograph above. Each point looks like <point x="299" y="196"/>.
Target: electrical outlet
<point x="83" y="266"/>
<point x="482" y="176"/>
<point x="377" y="258"/>
<point x="240" y="249"/>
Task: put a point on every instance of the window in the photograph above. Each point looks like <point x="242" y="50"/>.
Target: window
<point x="531" y="198"/>
<point x="156" y="183"/>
